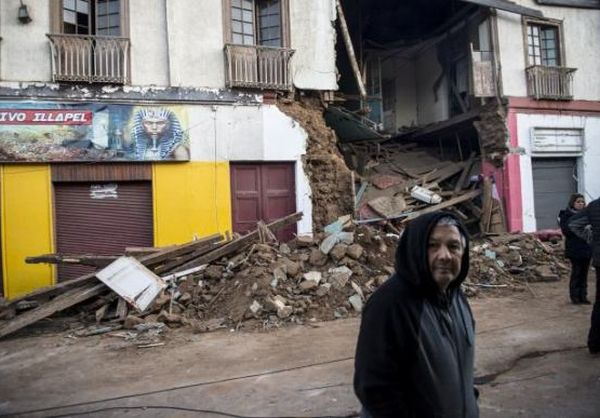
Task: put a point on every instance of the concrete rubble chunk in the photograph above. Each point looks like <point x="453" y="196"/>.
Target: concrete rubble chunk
<point x="313" y="276"/>
<point x="131" y="321"/>
<point x="358" y="290"/>
<point x="167" y="317"/>
<point x="317" y="258"/>
<point x="323" y="289"/>
<point x="291" y="267"/>
<point x="285" y="312"/>
<point x="285" y="249"/>
<point x="304" y="241"/>
<point x="338" y="252"/>
<point x="279" y="274"/>
<point x="356" y="302"/>
<point x="339" y="276"/>
<point x="308" y="284"/>
<point x="355" y="251"/>
<point x="346" y="237"/>
<point x="255" y="307"/>
<point x="328" y="243"/>
<point x="213" y="272"/>
<point x="340" y="312"/>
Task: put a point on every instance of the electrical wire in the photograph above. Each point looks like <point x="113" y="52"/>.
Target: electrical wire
<point x="175" y="388"/>
<point x="179" y="408"/>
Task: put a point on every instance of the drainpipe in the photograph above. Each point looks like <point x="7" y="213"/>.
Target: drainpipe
<point x="168" y="43"/>
<point x="350" y="49"/>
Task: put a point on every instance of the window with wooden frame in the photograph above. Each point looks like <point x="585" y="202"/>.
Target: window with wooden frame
<point x="544" y="43"/>
<point x="90" y="17"/>
<point x="257" y="22"/>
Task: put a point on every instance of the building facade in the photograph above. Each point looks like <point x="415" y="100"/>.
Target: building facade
<point x="150" y="123"/>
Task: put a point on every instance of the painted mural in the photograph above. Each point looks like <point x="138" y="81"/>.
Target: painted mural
<point x="52" y="132"/>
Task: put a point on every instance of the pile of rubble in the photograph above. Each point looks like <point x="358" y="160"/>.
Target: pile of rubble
<point x="254" y="282"/>
<point x="403" y="181"/>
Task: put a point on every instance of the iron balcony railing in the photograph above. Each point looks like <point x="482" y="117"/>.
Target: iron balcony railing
<point x="553" y="83"/>
<point x="88" y="58"/>
<point x="259" y="67"/>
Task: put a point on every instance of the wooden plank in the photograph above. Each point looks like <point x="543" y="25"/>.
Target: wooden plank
<point x="239" y="243"/>
<point x="151" y="259"/>
<point x="187" y="257"/>
<point x="85" y="259"/>
<point x="463" y="176"/>
<point x="486" y="210"/>
<point x="60" y="303"/>
<point x="459" y="199"/>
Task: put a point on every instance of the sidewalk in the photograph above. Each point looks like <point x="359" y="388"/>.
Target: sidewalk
<point x="529" y="352"/>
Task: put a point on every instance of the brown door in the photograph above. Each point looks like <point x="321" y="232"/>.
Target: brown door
<point x="101" y="218"/>
<point x="262" y="192"/>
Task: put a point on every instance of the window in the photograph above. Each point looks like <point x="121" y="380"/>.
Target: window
<point x="90" y="17"/>
<point x="257" y="22"/>
<point x="543" y="45"/>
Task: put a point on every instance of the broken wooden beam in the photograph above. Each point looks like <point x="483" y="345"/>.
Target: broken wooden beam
<point x="239" y="243"/>
<point x="448" y="203"/>
<point x="84" y="259"/>
<point x="60" y="303"/>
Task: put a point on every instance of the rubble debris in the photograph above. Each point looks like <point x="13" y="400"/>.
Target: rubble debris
<point x="244" y="296"/>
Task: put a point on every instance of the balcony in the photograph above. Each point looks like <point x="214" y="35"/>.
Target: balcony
<point x="551" y="83"/>
<point x="88" y="58"/>
<point x="258" y="67"/>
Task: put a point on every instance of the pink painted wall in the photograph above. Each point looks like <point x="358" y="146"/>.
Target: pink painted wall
<point x="511" y="184"/>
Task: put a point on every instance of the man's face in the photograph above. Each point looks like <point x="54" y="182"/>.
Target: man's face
<point x="444" y="254"/>
<point x="155" y="127"/>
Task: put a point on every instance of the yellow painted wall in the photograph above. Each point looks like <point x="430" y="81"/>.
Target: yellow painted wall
<point x="190" y="199"/>
<point x="26" y="213"/>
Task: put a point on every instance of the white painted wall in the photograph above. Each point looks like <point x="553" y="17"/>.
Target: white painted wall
<point x="195" y="42"/>
<point x="313" y="37"/>
<point x="581" y="31"/>
<point x="246" y="133"/>
<point x="24" y="49"/>
<point x="403" y="71"/>
<point x="428" y="69"/>
<point x="148" y="43"/>
<point x="588" y="167"/>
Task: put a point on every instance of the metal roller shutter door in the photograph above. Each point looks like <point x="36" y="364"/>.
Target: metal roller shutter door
<point x="553" y="184"/>
<point x="94" y="223"/>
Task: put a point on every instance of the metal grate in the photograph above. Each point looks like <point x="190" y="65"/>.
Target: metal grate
<point x="553" y="83"/>
<point x="88" y="58"/>
<point x="259" y="67"/>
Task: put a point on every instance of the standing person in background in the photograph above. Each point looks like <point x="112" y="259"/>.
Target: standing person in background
<point x="579" y="224"/>
<point x="416" y="347"/>
<point x="577" y="251"/>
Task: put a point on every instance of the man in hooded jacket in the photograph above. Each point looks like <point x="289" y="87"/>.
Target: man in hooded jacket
<point x="415" y="351"/>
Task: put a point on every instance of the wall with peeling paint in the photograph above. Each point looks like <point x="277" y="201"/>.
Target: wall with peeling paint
<point x="313" y="37"/>
<point x="581" y="31"/>
<point x="180" y="45"/>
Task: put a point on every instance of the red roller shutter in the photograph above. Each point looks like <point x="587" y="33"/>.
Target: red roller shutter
<point x="101" y="218"/>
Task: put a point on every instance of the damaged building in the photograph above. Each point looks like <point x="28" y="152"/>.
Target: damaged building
<point x="507" y="88"/>
<point x="148" y="124"/>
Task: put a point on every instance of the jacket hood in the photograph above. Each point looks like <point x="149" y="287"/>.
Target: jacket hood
<point x="411" y="255"/>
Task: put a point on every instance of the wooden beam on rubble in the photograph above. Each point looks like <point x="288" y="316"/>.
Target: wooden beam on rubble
<point x="240" y="243"/>
<point x="62" y="302"/>
<point x="86" y="260"/>
<point x="148" y="260"/>
<point x="448" y="203"/>
<point x="87" y="289"/>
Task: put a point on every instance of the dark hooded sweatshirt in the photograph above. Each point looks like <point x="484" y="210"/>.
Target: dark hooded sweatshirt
<point x="415" y="351"/>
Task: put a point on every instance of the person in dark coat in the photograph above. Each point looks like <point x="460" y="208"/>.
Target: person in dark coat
<point x="415" y="350"/>
<point x="579" y="223"/>
<point x="577" y="251"/>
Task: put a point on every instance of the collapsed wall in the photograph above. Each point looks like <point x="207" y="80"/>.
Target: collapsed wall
<point x="330" y="179"/>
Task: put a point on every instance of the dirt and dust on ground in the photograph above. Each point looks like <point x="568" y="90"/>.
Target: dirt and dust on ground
<point x="330" y="179"/>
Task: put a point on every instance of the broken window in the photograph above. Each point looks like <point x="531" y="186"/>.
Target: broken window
<point x="91" y="17"/>
<point x="257" y="22"/>
<point x="543" y="46"/>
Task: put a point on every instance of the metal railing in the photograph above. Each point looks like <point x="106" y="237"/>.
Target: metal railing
<point x="554" y="83"/>
<point x="259" y="67"/>
<point x="88" y="58"/>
